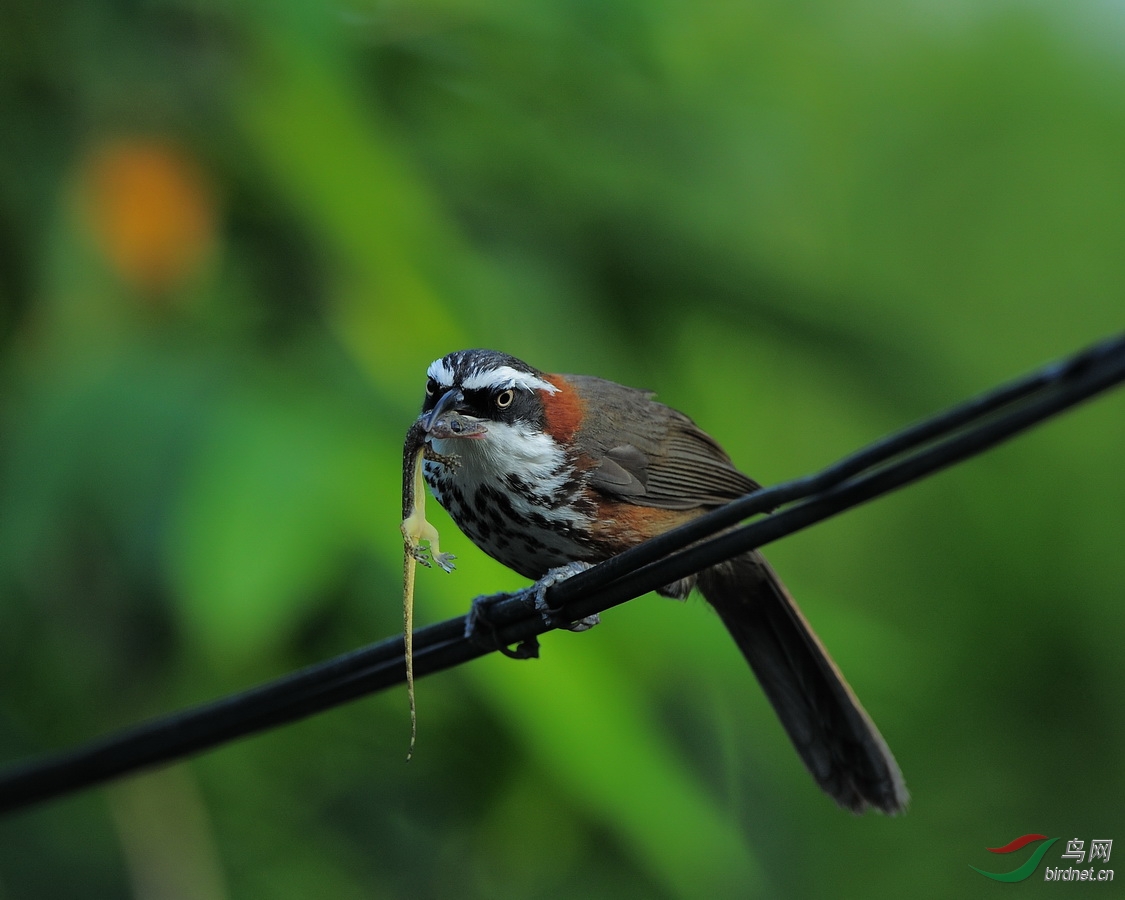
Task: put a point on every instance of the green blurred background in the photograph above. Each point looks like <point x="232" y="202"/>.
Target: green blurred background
<point x="232" y="237"/>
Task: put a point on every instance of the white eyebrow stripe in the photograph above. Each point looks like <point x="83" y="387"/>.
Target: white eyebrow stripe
<point x="504" y="377"/>
<point x="440" y="372"/>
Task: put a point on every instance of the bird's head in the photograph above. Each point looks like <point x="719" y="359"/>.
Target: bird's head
<point x="501" y="417"/>
<point x="485" y="395"/>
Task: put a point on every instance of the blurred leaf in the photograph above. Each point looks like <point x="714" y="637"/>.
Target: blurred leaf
<point x="586" y="724"/>
<point x="281" y="494"/>
<point x="341" y="164"/>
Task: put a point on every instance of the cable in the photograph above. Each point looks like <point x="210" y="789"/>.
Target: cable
<point x="913" y="453"/>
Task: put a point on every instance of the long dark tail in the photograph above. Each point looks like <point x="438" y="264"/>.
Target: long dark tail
<point x="833" y="734"/>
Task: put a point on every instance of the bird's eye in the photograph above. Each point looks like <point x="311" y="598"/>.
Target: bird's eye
<point x="504" y="399"/>
<point x="431" y="386"/>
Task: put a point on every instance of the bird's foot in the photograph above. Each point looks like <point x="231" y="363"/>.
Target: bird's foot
<point x="483" y="630"/>
<point x="550" y="613"/>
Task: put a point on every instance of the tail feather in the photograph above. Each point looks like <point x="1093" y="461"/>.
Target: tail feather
<point x="833" y="734"/>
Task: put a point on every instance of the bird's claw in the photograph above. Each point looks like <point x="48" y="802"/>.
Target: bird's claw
<point x="482" y="631"/>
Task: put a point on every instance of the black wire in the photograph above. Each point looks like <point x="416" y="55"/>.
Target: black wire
<point x="906" y="456"/>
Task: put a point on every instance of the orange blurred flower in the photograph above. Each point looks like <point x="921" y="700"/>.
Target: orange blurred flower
<point x="151" y="209"/>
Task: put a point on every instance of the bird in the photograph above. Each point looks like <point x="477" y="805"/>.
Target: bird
<point x="544" y="471"/>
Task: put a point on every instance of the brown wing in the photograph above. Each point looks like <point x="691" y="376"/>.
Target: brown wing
<point x="652" y="455"/>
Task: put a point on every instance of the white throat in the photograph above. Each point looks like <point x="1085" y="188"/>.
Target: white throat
<point x="509" y="452"/>
<point x="508" y="449"/>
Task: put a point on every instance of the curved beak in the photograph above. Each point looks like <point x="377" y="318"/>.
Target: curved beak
<point x="448" y="420"/>
<point x="447" y="403"/>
